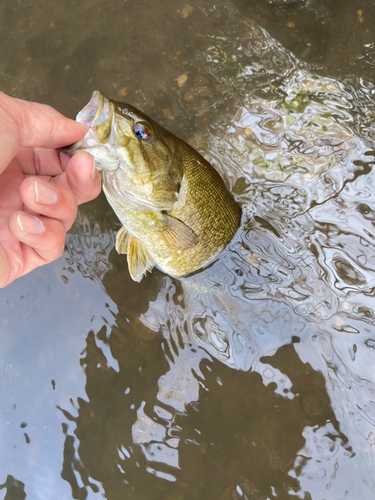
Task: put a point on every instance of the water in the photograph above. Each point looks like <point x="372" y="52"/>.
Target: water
<point x="252" y="379"/>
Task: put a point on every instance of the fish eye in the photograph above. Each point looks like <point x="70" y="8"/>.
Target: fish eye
<point x="142" y="131"/>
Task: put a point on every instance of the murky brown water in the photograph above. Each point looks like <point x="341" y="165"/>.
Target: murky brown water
<point x="254" y="378"/>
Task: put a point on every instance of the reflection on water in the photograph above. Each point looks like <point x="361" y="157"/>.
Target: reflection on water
<point x="252" y="378"/>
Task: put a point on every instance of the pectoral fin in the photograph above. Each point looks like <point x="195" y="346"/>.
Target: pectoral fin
<point x="122" y="240"/>
<point x="139" y="259"/>
<point x="177" y="235"/>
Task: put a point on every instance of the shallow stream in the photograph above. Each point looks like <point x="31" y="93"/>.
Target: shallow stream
<point x="254" y="378"/>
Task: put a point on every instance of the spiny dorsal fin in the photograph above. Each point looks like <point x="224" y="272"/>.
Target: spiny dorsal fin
<point x="139" y="259"/>
<point x="122" y="240"/>
<point x="177" y="235"/>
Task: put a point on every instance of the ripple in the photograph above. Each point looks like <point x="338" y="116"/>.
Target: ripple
<point x="296" y="149"/>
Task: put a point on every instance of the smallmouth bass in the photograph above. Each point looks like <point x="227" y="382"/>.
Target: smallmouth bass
<point x="176" y="211"/>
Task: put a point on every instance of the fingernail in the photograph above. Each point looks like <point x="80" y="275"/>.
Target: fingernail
<point x="29" y="224"/>
<point x="93" y="171"/>
<point x="44" y="193"/>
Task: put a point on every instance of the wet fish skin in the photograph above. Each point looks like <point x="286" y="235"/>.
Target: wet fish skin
<point x="175" y="209"/>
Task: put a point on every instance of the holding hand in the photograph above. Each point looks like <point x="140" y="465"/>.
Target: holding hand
<point x="39" y="189"/>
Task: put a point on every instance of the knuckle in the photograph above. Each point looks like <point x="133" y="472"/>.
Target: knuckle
<point x="52" y="245"/>
<point x="4" y="268"/>
<point x="9" y="271"/>
<point x="17" y="268"/>
<point x="59" y="243"/>
<point x="71" y="212"/>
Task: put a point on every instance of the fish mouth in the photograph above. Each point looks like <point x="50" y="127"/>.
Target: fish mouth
<point x="96" y="111"/>
<point x="99" y="115"/>
<point x="90" y="115"/>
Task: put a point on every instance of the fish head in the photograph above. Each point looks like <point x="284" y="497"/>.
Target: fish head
<point x="138" y="158"/>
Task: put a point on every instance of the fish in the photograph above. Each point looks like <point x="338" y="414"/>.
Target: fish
<point x="176" y="212"/>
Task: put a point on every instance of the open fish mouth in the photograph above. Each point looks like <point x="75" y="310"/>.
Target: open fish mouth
<point x="98" y="115"/>
<point x="96" y="111"/>
<point x="90" y="115"/>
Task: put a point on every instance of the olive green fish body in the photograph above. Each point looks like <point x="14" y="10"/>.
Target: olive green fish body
<point x="175" y="209"/>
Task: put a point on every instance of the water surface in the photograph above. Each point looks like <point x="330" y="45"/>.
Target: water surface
<point x="253" y="378"/>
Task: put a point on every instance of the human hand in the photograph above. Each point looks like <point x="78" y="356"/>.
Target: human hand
<point x="39" y="189"/>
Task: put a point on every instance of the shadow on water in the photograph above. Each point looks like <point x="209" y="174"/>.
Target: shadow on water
<point x="253" y="378"/>
<point x="15" y="490"/>
<point x="211" y="431"/>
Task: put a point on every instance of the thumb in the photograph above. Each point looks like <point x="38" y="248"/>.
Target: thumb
<point x="40" y="126"/>
<point x="29" y="124"/>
